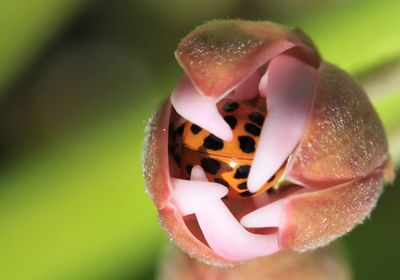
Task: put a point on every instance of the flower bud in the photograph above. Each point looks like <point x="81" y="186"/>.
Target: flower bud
<point x="262" y="146"/>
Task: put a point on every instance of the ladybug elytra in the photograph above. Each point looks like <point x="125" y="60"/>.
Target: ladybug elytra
<point x="227" y="163"/>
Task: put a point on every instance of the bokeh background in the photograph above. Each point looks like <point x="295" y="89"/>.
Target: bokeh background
<point x="79" y="80"/>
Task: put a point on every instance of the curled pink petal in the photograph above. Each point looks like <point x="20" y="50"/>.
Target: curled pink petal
<point x="190" y="196"/>
<point x="289" y="95"/>
<point x="201" y="111"/>
<point x="198" y="174"/>
<point x="222" y="231"/>
<point x="269" y="215"/>
<point x="229" y="239"/>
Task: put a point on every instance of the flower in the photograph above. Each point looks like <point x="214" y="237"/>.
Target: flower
<point x="230" y="186"/>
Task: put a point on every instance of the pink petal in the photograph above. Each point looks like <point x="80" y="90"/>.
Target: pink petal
<point x="289" y="95"/>
<point x="219" y="55"/>
<point x="159" y="187"/>
<point x="156" y="161"/>
<point x="199" y="110"/>
<point x="191" y="196"/>
<point x="228" y="238"/>
<point x="314" y="219"/>
<point x="198" y="174"/>
<point x="267" y="216"/>
<point x="223" y="232"/>
<point x="344" y="140"/>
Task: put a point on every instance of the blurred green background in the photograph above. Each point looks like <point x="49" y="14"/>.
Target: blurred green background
<point x="78" y="82"/>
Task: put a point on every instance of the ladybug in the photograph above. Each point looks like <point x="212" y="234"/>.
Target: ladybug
<point x="226" y="163"/>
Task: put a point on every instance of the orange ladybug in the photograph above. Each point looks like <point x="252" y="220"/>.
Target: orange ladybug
<point x="227" y="163"/>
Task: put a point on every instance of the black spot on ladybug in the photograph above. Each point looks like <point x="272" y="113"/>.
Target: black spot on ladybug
<point x="222" y="182"/>
<point x="247" y="144"/>
<point x="242" y="186"/>
<point x="271" y="179"/>
<point x="231" y="120"/>
<point x="189" y="168"/>
<point x="195" y="128"/>
<point x="253" y="129"/>
<point x="177" y="159"/>
<point x="179" y="130"/>
<point x="242" y="172"/>
<point x="212" y="142"/>
<point x="210" y="165"/>
<point x="257" y="118"/>
<point x="230" y="106"/>
<point x="246" y="194"/>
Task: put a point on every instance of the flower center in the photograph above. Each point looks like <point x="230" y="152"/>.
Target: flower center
<point x="224" y="162"/>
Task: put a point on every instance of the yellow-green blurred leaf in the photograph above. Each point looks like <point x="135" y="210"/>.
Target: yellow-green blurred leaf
<point x="356" y="35"/>
<point x="79" y="207"/>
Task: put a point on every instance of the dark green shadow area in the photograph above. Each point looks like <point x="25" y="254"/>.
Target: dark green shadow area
<point x="374" y="247"/>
